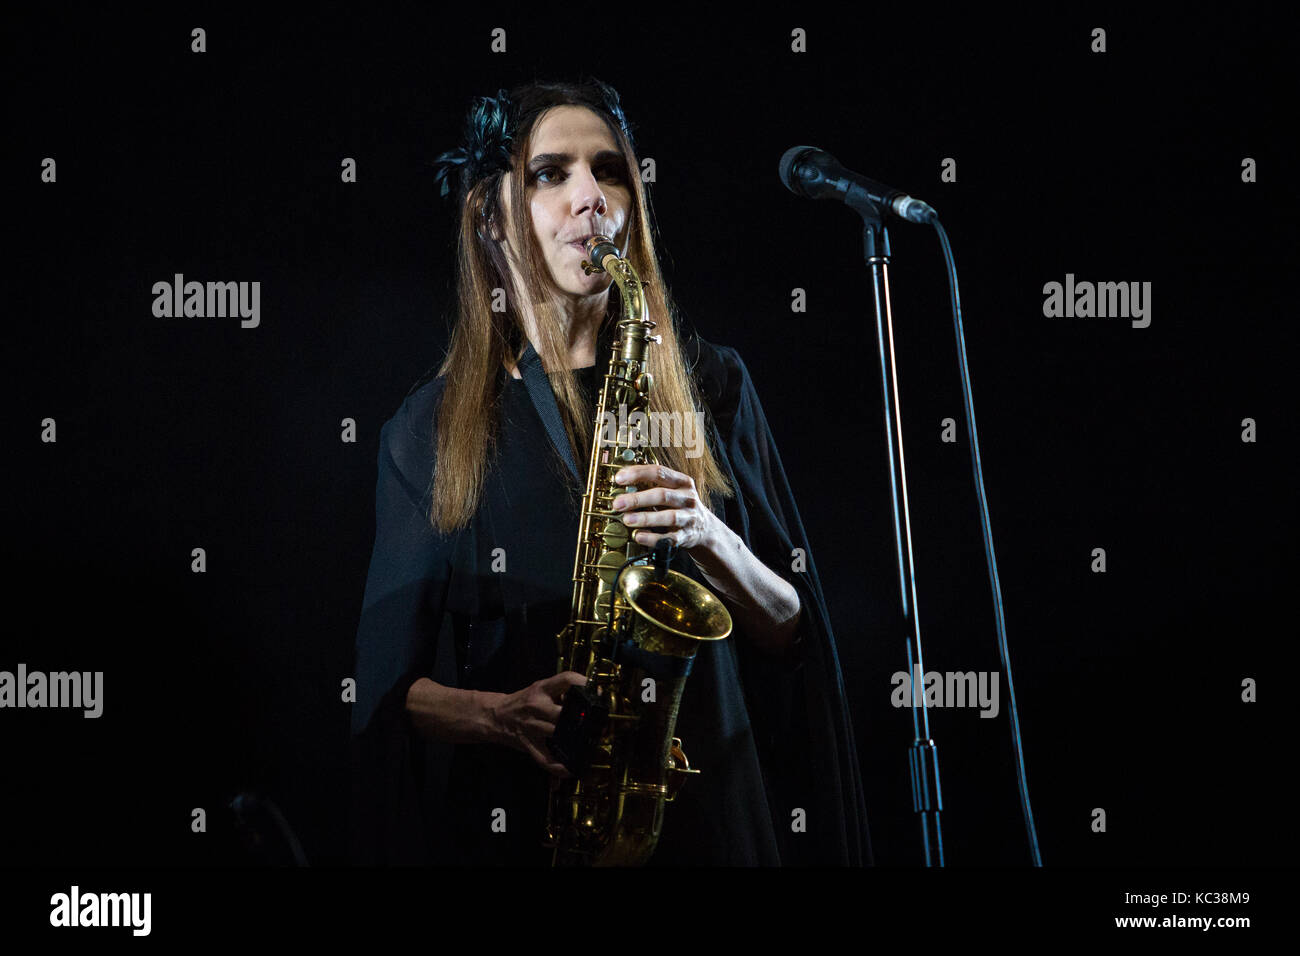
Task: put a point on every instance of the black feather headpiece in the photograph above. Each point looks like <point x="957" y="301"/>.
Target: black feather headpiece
<point x="489" y="133"/>
<point x="489" y="130"/>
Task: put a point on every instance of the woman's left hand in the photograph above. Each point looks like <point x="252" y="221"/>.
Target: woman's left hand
<point x="766" y="606"/>
<point x="684" y="519"/>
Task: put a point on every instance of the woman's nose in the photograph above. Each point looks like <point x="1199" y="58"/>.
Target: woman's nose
<point x="587" y="193"/>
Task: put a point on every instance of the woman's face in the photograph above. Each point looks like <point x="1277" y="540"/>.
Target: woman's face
<point x="577" y="185"/>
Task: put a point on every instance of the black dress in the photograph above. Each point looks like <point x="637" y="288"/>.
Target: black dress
<point x="480" y="609"/>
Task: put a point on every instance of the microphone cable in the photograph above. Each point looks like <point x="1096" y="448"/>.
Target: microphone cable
<point x="980" y="495"/>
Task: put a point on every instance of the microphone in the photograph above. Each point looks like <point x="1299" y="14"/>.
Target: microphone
<point x="815" y="174"/>
<point x="662" y="556"/>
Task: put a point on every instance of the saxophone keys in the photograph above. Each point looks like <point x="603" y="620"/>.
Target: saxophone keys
<point x="677" y="756"/>
<point x="608" y="565"/>
<point x="615" y="537"/>
<point x="626" y="395"/>
<point x="678" y="769"/>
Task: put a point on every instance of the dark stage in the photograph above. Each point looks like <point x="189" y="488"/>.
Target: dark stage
<point x="1159" y="163"/>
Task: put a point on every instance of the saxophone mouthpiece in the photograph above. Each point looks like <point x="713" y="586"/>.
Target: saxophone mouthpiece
<point x="598" y="247"/>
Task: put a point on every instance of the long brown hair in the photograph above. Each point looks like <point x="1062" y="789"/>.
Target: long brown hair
<point x="482" y="339"/>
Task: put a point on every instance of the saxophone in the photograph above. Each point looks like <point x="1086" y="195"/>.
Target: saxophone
<point x="633" y="631"/>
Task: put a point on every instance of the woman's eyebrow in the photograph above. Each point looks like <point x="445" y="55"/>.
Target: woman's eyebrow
<point x="564" y="159"/>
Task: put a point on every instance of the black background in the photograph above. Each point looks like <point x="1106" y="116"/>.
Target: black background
<point x="183" y="433"/>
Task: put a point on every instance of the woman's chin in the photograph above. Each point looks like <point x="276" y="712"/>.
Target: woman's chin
<point x="586" y="285"/>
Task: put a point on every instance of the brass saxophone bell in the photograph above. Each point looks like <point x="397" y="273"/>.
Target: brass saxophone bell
<point x="680" y="611"/>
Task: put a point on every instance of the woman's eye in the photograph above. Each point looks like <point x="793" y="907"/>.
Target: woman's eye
<point x="548" y="174"/>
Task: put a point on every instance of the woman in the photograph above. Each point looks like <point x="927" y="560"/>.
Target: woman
<point x="476" y="527"/>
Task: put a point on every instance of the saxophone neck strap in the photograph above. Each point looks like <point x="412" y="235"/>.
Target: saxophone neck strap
<point x="539" y="391"/>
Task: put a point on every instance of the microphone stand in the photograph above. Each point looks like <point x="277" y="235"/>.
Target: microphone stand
<point x="923" y="758"/>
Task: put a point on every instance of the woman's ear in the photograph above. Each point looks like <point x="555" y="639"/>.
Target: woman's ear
<point x="489" y="226"/>
<point x="496" y="223"/>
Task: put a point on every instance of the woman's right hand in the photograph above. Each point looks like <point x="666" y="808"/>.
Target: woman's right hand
<point x="525" y="719"/>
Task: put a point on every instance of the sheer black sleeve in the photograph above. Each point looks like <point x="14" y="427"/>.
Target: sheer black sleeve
<point x="798" y="705"/>
<point x="397" y="640"/>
